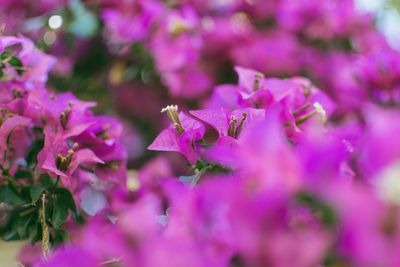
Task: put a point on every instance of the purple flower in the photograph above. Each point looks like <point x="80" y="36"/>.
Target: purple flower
<point x="181" y="136"/>
<point x="365" y="236"/>
<point x="262" y="157"/>
<point x="378" y="145"/>
<point x="273" y="53"/>
<point x="103" y="138"/>
<point x="184" y="74"/>
<point x="58" y="159"/>
<point x="14" y="137"/>
<point x="320" y="20"/>
<point x="140" y="14"/>
<point x="69" y="256"/>
<point x="62" y="113"/>
<point x="229" y="123"/>
<point x="35" y="64"/>
<point x="379" y="74"/>
<point x="277" y="229"/>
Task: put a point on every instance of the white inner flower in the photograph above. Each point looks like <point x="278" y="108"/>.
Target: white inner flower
<point x="320" y="112"/>
<point x="388" y="183"/>
<point x="170" y="108"/>
<point x="177" y="25"/>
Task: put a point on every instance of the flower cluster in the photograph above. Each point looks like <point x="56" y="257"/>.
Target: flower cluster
<point x="324" y="39"/>
<point x="284" y="139"/>
<point x="52" y="147"/>
<point x="329" y="41"/>
<point x="276" y="179"/>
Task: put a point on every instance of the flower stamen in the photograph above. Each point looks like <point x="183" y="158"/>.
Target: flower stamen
<point x="232" y="126"/>
<point x="172" y="113"/>
<point x="301" y="109"/>
<point x="300" y="120"/>
<point x="65" y="115"/>
<point x="177" y="25"/>
<point x="103" y="132"/>
<point x="63" y="162"/>
<point x="240" y="125"/>
<point x="257" y="79"/>
<point x="318" y="110"/>
<point x="321" y="112"/>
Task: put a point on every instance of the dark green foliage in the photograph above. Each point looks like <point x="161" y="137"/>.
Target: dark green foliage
<point x="21" y="200"/>
<point x="8" y="57"/>
<point x="327" y="213"/>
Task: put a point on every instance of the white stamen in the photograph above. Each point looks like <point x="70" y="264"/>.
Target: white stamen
<point x="177" y="25"/>
<point x="170" y="108"/>
<point x="321" y="112"/>
<point x="173" y="115"/>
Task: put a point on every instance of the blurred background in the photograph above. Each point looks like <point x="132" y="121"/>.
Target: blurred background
<point x="135" y="57"/>
<point x="100" y="61"/>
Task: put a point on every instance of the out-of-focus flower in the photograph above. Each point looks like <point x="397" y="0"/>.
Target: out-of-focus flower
<point x="139" y="14"/>
<point x="378" y="73"/>
<point x="23" y="62"/>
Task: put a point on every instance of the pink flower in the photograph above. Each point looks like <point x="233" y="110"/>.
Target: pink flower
<point x="181" y="136"/>
<point x="35" y="63"/>
<point x="229" y="123"/>
<point x="58" y="159"/>
<point x="69" y="256"/>
<point x="14" y="137"/>
<point x="62" y="113"/>
<point x="141" y="15"/>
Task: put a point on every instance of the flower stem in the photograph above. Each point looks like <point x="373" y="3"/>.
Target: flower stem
<point x="45" y="228"/>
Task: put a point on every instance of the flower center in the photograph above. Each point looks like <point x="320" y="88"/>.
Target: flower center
<point x="65" y="115"/>
<point x="233" y="129"/>
<point x="318" y="110"/>
<point x="172" y="112"/>
<point x="63" y="162"/>
<point x="177" y="25"/>
<point x="103" y="132"/>
<point x="257" y="79"/>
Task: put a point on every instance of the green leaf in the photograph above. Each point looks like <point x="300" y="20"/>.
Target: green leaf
<point x="37" y="236"/>
<point x="36" y="147"/>
<point x="63" y="203"/>
<point x="46" y="180"/>
<point x="10" y="196"/>
<point x="22" y="174"/>
<point x="200" y="165"/>
<point x="3" y="55"/>
<point x="23" y="226"/>
<point x="36" y="192"/>
<point x="60" y="214"/>
<point x="15" y="62"/>
<point x="66" y="197"/>
<point x="59" y="236"/>
<point x="11" y="50"/>
<point x="327" y="212"/>
<point x="19" y="223"/>
<point x="10" y="235"/>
